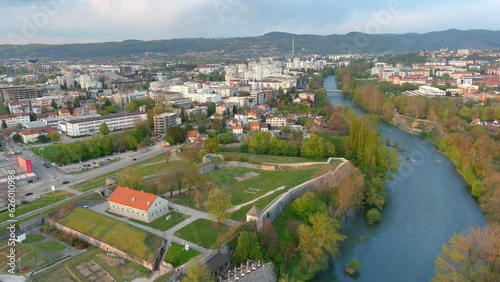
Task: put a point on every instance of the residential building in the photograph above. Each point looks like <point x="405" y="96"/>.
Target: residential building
<point x="192" y="136"/>
<point x="14" y="119"/>
<point x="238" y="129"/>
<point x="136" y="204"/>
<point x="276" y="121"/>
<point x="64" y="112"/>
<point x="17" y="92"/>
<point x="89" y="126"/>
<point x="31" y="135"/>
<point x="163" y="121"/>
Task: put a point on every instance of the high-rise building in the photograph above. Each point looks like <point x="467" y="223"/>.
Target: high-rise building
<point x="163" y="121"/>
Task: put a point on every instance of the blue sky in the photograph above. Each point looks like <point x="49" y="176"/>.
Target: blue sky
<point x="78" y="21"/>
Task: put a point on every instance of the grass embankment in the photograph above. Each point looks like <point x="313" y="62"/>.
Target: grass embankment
<point x="130" y="239"/>
<point x="44" y="201"/>
<point x="259" y="159"/>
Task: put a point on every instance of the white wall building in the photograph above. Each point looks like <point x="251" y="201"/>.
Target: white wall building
<point x="89" y="126"/>
<point x="136" y="204"/>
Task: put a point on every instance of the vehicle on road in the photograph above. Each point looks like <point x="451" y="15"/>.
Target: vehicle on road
<point x="134" y="159"/>
<point x="28" y="194"/>
<point x="65" y="182"/>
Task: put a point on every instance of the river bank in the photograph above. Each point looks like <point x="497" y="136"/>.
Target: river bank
<point x="428" y="202"/>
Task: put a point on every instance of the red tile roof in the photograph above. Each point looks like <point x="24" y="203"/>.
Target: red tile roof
<point x="132" y="198"/>
<point x="192" y="134"/>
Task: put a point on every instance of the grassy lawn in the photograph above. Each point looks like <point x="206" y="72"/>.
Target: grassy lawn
<point x="240" y="215"/>
<point x="33" y="239"/>
<point x="51" y="246"/>
<point x="265" y="182"/>
<point x="163" y="224"/>
<point x="177" y="256"/>
<point x="126" y="272"/>
<point x="252" y="158"/>
<point x="38" y="203"/>
<point x="135" y="241"/>
<point x="49" y="152"/>
<point x="97" y="181"/>
<point x="202" y="232"/>
<point x="145" y="168"/>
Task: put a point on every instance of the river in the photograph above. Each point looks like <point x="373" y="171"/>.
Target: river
<point x="427" y="202"/>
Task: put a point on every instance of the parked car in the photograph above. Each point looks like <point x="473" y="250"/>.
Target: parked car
<point x="28" y="194"/>
<point x="65" y="182"/>
<point x="134" y="159"/>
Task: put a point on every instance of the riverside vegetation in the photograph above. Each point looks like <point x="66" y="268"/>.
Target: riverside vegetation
<point x="474" y="150"/>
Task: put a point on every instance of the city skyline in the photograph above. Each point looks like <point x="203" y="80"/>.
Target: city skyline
<point x="82" y="21"/>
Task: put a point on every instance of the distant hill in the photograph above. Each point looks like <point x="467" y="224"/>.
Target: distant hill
<point x="271" y="44"/>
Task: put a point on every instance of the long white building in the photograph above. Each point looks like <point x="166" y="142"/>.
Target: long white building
<point x="89" y="126"/>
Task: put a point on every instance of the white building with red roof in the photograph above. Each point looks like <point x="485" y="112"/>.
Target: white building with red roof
<point x="136" y="204"/>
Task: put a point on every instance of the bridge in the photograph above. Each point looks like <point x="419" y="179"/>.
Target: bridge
<point x="336" y="90"/>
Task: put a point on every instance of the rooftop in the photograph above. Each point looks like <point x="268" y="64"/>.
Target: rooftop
<point x="132" y="198"/>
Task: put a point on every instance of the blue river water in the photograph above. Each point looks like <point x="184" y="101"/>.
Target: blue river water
<point x="428" y="202"/>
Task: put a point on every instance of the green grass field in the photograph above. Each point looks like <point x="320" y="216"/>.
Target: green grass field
<point x="202" y="232"/>
<point x="49" y="152"/>
<point x="135" y="241"/>
<point x="163" y="224"/>
<point x="177" y="256"/>
<point x="126" y="272"/>
<point x="265" y="182"/>
<point x="253" y="158"/>
<point x="36" y="204"/>
<point x="33" y="239"/>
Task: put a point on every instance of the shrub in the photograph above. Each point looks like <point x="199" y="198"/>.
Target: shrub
<point x="353" y="267"/>
<point x="373" y="216"/>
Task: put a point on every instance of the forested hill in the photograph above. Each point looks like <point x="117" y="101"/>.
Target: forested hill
<point x="271" y="44"/>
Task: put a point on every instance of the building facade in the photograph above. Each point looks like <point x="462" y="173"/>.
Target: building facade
<point x="163" y="121"/>
<point x="136" y="204"/>
<point x="114" y="122"/>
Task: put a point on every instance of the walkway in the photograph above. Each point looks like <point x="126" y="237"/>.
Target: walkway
<point x="235" y="208"/>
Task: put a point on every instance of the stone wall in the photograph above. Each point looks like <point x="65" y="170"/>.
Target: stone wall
<point x="278" y="205"/>
<point x="211" y="167"/>
<point x="108" y="248"/>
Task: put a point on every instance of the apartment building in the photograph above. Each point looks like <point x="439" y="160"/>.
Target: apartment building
<point x="14" y="119"/>
<point x="163" y="121"/>
<point x="89" y="126"/>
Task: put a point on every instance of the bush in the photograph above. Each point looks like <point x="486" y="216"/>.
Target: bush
<point x="373" y="216"/>
<point x="353" y="267"/>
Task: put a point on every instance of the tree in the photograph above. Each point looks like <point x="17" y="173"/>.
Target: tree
<point x="211" y="109"/>
<point x="219" y="203"/>
<point x="53" y="104"/>
<point x="195" y="181"/>
<point x="103" y="129"/>
<point x="131" y="178"/>
<point x="475" y="257"/>
<point x="248" y="246"/>
<point x="17" y="138"/>
<point x="131" y="107"/>
<point x="373" y="216"/>
<point x="317" y="147"/>
<point x="307" y="205"/>
<point x="32" y="117"/>
<point x="349" y="194"/>
<point x="211" y="145"/>
<point x="318" y="240"/>
<point x="4" y="124"/>
<point x="465" y="113"/>
<point x="54" y="136"/>
<point x="43" y="138"/>
<point x="198" y="271"/>
<point x="175" y="135"/>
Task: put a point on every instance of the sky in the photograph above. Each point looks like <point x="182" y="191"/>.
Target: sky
<point x="82" y="21"/>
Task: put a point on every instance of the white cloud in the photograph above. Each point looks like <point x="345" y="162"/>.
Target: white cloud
<point x="116" y="20"/>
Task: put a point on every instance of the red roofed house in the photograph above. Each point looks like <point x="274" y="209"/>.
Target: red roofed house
<point x="64" y="112"/>
<point x="238" y="129"/>
<point x="192" y="136"/>
<point x="136" y="204"/>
